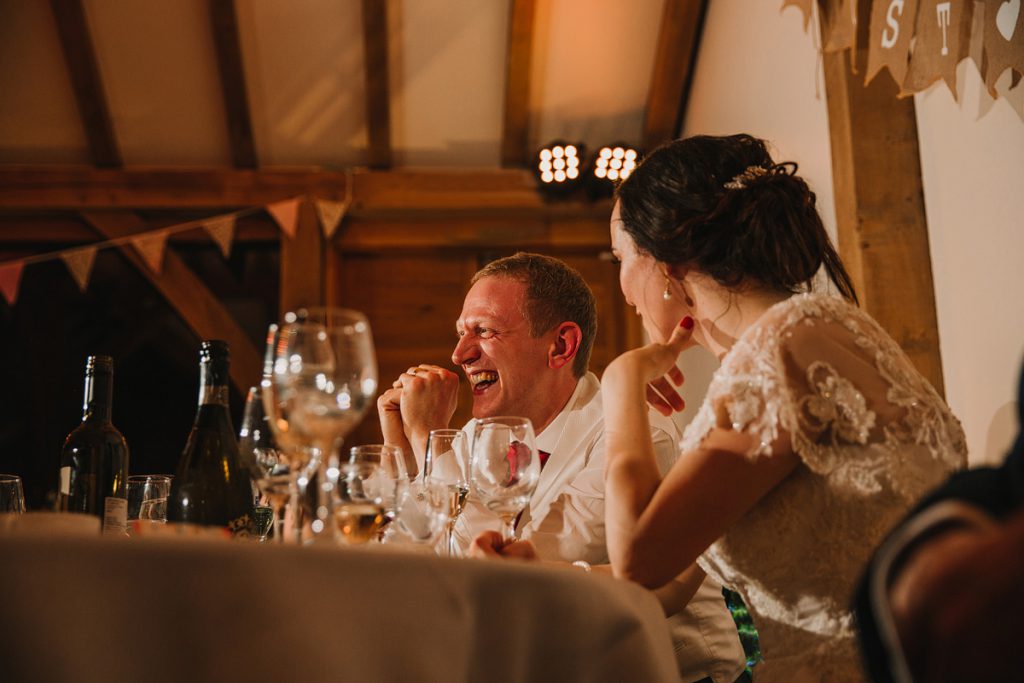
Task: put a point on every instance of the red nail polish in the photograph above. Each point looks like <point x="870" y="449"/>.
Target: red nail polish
<point x="686" y="322"/>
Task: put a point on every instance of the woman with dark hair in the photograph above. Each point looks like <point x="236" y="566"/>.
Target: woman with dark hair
<point x="816" y="435"/>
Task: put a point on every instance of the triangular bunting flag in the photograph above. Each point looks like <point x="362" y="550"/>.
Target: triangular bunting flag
<point x="10" y="278"/>
<point x="839" y="24"/>
<point x="222" y="231"/>
<point x="151" y="247"/>
<point x="286" y="214"/>
<point x="330" y="214"/>
<point x="79" y="262"/>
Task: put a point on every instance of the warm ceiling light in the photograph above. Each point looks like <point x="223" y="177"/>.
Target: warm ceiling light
<point x="559" y="165"/>
<point x="611" y="165"/>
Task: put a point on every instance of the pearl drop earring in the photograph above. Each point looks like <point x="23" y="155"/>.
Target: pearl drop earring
<point x="667" y="294"/>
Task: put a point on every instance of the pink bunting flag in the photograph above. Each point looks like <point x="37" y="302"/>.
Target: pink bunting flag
<point x="286" y="214"/>
<point x="221" y="231"/>
<point x="151" y="247"/>
<point x="330" y="214"/>
<point x="10" y="278"/>
<point x="79" y="262"/>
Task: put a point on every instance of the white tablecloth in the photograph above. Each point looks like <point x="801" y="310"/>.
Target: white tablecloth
<point x="100" y="609"/>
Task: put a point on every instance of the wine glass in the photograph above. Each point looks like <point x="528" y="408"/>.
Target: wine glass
<point x="268" y="471"/>
<point x="324" y="378"/>
<point x="359" y="509"/>
<point x="392" y="464"/>
<point x="423" y="511"/>
<point x="447" y="462"/>
<point x="12" y="497"/>
<point x="505" y="468"/>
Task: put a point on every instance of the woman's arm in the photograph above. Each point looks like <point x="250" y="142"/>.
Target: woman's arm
<point x="656" y="528"/>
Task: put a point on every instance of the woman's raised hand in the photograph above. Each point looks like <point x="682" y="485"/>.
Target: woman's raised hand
<point x="655" y="367"/>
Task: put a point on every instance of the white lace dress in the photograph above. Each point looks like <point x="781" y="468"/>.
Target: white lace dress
<point x="872" y="435"/>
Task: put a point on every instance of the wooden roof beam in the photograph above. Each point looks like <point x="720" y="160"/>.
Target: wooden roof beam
<point x="883" y="232"/>
<point x="378" y="94"/>
<point x="682" y="23"/>
<point x="80" y="58"/>
<point x="228" y="47"/>
<point x="515" y="136"/>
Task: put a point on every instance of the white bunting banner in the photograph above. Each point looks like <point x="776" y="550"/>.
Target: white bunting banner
<point x="80" y="262"/>
<point x="151" y="247"/>
<point x="221" y="231"/>
<point x="286" y="214"/>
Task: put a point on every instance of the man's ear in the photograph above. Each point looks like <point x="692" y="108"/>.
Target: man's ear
<point x="567" y="343"/>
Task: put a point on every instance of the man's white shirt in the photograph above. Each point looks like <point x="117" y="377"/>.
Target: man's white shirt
<point x="565" y="521"/>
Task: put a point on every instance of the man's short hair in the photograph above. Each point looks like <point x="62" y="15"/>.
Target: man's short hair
<point x="555" y="293"/>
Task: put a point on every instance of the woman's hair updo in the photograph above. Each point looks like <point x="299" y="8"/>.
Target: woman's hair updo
<point x="724" y="207"/>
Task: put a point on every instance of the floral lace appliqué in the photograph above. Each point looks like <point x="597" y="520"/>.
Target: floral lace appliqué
<point x="836" y="403"/>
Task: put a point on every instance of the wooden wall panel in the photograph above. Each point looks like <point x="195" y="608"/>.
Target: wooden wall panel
<point x="413" y="296"/>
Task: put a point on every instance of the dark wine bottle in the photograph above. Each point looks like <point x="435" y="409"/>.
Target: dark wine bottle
<point x="211" y="486"/>
<point x="94" y="460"/>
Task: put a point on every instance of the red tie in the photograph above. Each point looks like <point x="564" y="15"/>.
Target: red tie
<point x="544" y="455"/>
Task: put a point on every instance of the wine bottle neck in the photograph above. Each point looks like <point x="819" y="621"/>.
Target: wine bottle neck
<point x="99" y="395"/>
<point x="213" y="382"/>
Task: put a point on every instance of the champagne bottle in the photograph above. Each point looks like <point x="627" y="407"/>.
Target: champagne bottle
<point x="211" y="486"/>
<point x="94" y="460"/>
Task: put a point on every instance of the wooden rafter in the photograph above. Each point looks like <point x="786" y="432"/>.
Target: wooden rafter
<point x="883" y="232"/>
<point x="228" y="47"/>
<point x="53" y="188"/>
<point x="676" y="55"/>
<point x="80" y="58"/>
<point x="187" y="294"/>
<point x="515" y="138"/>
<point x="378" y="96"/>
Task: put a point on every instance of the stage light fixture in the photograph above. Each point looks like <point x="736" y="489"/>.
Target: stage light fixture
<point x="559" y="166"/>
<point x="611" y="165"/>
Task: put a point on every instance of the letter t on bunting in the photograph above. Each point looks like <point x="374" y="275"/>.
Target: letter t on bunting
<point x="943" y="39"/>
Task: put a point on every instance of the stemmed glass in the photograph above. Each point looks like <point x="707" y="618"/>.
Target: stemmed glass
<point x="505" y="468"/>
<point x="447" y="462"/>
<point x="323" y="380"/>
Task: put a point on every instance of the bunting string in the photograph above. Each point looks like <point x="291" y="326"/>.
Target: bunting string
<point x="150" y="244"/>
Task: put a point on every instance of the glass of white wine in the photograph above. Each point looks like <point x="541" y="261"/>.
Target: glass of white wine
<point x="358" y="508"/>
<point x="447" y="463"/>
<point x="395" y="475"/>
<point x="505" y="467"/>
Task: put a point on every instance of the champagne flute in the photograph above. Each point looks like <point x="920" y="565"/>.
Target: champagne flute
<point x="447" y="462"/>
<point x="505" y="468"/>
<point x="12" y="497"/>
<point x="323" y="380"/>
